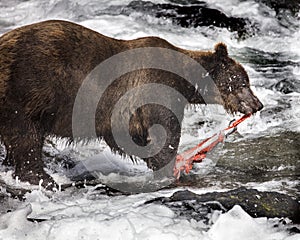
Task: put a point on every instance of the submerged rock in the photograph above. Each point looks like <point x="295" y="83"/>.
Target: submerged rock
<point x="286" y="86"/>
<point x="254" y="202"/>
<point x="279" y="5"/>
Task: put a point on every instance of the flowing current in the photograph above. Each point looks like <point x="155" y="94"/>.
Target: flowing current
<point x="265" y="153"/>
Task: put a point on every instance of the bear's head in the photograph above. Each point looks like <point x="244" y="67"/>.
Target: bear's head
<point x="232" y="82"/>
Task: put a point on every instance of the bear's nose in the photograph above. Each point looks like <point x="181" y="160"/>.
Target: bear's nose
<point x="255" y="104"/>
<point x="259" y="105"/>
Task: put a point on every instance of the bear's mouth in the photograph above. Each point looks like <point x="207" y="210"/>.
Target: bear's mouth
<point x="243" y="101"/>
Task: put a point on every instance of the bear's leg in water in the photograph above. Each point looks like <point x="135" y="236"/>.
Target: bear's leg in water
<point x="24" y="150"/>
<point x="172" y="127"/>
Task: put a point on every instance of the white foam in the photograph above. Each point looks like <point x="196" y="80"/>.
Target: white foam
<point x="246" y="227"/>
<point x="86" y="216"/>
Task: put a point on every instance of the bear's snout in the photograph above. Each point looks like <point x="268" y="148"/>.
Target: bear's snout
<point x="249" y="103"/>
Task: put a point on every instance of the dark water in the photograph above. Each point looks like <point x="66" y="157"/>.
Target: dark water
<point x="271" y="162"/>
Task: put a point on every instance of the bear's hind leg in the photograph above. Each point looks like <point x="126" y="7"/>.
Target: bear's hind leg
<point x="25" y="154"/>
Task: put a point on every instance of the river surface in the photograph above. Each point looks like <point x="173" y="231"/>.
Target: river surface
<point x="265" y="152"/>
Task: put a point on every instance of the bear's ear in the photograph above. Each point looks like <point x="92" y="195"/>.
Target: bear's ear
<point x="221" y="50"/>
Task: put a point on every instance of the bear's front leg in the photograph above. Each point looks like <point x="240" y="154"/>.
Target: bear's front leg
<point x="170" y="131"/>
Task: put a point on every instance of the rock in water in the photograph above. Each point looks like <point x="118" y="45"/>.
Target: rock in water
<point x="254" y="202"/>
<point x="192" y="15"/>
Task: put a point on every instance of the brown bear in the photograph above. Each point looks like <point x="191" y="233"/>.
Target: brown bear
<point x="43" y="65"/>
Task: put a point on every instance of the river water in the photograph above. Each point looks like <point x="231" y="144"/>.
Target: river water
<point x="265" y="153"/>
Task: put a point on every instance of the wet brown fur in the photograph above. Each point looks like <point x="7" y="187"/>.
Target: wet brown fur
<point x="42" y="67"/>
